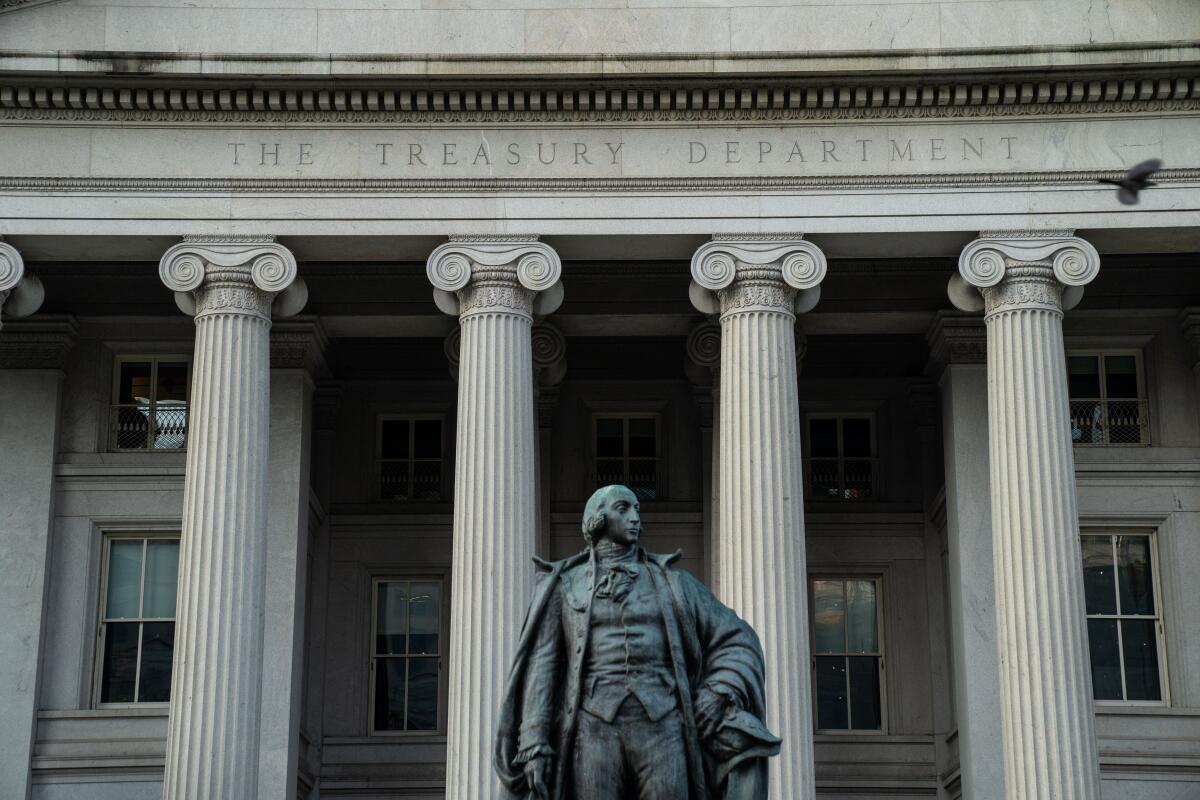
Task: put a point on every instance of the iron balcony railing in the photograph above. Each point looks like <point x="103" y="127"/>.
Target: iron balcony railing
<point x="848" y="478"/>
<point x="149" y="426"/>
<point x="1096" y="421"/>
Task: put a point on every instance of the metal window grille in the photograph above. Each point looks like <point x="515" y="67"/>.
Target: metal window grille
<point x="136" y="635"/>
<point x="627" y="451"/>
<point x="1124" y="617"/>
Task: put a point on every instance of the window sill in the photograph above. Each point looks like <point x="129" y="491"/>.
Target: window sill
<point x="109" y="712"/>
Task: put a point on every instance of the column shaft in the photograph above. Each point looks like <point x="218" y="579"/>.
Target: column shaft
<point x="213" y="734"/>
<point x="495" y="528"/>
<point x="1049" y="735"/>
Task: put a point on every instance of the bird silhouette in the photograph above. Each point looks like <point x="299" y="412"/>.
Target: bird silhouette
<point x="1135" y="180"/>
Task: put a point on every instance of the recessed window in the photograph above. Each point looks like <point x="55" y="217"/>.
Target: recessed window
<point x="841" y="456"/>
<point x="137" y="619"/>
<point x="406" y="655"/>
<point x="1108" y="405"/>
<point x="150" y="404"/>
<point x="1124" y="616"/>
<point x="410" y="458"/>
<point x="627" y="452"/>
<point x="847" y="655"/>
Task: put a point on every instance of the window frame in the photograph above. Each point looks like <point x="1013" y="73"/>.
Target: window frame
<point x="102" y="621"/>
<point x="1143" y="398"/>
<point x="807" y="457"/>
<point x="425" y="576"/>
<point x="1160" y="627"/>
<point x="844" y="575"/>
<point x="411" y="460"/>
<point x="115" y="401"/>
<point x="625" y="416"/>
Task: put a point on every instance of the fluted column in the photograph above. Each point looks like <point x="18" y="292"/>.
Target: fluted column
<point x="760" y="285"/>
<point x="229" y="284"/>
<point x="494" y="285"/>
<point x="1045" y="676"/>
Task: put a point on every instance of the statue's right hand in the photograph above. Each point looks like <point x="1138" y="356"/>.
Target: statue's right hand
<point x="537" y="771"/>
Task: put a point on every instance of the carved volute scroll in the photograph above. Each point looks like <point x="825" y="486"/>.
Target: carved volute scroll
<point x="250" y="275"/>
<point x="496" y="274"/>
<point x="757" y="273"/>
<point x="1023" y="269"/>
<point x="21" y="292"/>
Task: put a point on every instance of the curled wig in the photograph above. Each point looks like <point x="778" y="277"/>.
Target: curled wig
<point x="595" y="513"/>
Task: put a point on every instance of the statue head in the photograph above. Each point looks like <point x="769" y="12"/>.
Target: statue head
<point x="612" y="512"/>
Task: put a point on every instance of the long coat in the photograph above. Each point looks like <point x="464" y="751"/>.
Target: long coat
<point x="710" y="648"/>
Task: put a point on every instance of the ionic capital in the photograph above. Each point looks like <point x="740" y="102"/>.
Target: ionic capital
<point x="247" y="275"/>
<point x="732" y="274"/>
<point x="1005" y="270"/>
<point x="549" y="355"/>
<point x="497" y="274"/>
<point x="21" y="292"/>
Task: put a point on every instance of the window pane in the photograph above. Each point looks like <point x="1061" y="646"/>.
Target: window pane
<point x="134" y="383"/>
<point x="1125" y="422"/>
<point x="1106" y="659"/>
<point x="131" y="427"/>
<point x="119" y="670"/>
<point x="856" y="437"/>
<point x="393" y="436"/>
<point x="829" y="617"/>
<point x="822" y="438"/>
<point x="389" y="694"/>
<point x="1098" y="576"/>
<point x="856" y="479"/>
<point x="1120" y="376"/>
<point x="172" y="382"/>
<point x="1141" y="659"/>
<point x="423" y="620"/>
<point x="643" y="438"/>
<point x="162" y="570"/>
<point x="831" y="693"/>
<point x="1133" y="575"/>
<point x="860" y="617"/>
<point x="422" y="694"/>
<point x="170" y="426"/>
<point x="391" y="624"/>
<point x="610" y="438"/>
<point x="158" y="645"/>
<point x="1087" y="422"/>
<point x="865" y="708"/>
<point x="427" y="438"/>
<point x="1083" y="376"/>
<point x="124" y="578"/>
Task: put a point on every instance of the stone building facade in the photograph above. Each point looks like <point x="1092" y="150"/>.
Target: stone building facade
<point x="319" y="319"/>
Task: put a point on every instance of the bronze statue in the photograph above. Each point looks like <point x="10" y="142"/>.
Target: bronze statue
<point x="631" y="680"/>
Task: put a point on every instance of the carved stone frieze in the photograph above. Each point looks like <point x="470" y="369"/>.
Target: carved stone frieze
<point x="229" y="275"/>
<point x="474" y="275"/>
<point x="37" y="344"/>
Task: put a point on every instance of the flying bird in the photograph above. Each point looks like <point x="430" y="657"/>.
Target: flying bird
<point x="1136" y="179"/>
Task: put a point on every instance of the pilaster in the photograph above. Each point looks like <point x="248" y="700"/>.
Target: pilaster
<point x="1026" y="279"/>
<point x="231" y="286"/>
<point x="32" y="357"/>
<point x="495" y="285"/>
<point x="758" y="285"/>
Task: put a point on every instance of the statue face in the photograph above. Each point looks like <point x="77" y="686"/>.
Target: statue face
<point x="623" y="522"/>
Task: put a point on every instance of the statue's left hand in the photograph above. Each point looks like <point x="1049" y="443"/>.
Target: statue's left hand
<point x="710" y="710"/>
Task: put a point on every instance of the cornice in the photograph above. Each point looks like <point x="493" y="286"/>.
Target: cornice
<point x="90" y="99"/>
<point x="591" y="185"/>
